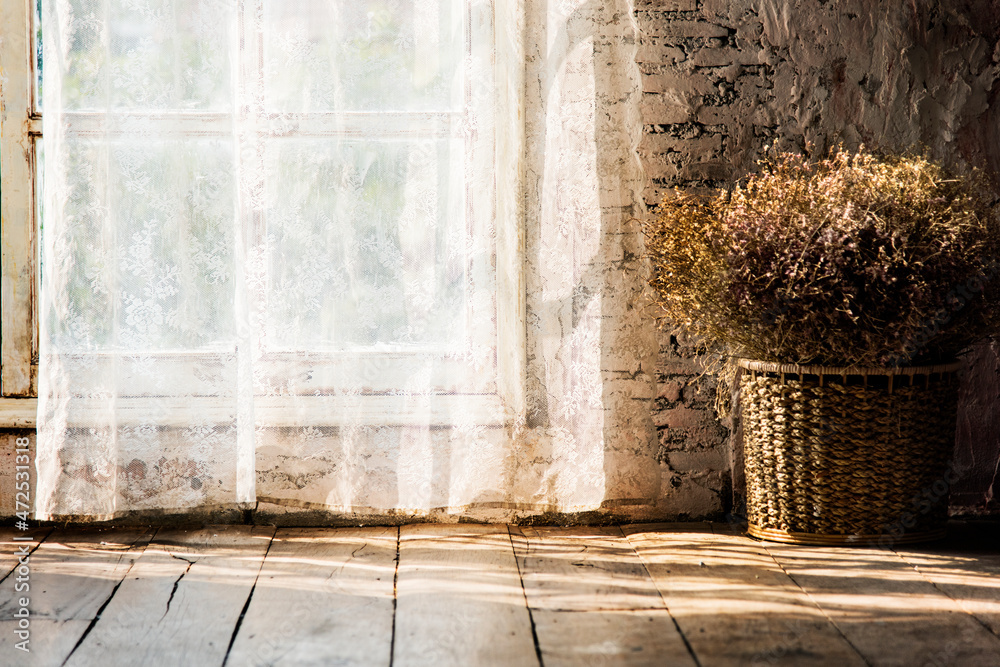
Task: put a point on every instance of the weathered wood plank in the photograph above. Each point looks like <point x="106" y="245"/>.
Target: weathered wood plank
<point x="10" y="548"/>
<point x="181" y="600"/>
<point x="324" y="597"/>
<point x="973" y="582"/>
<point x="886" y="609"/>
<point x="582" y="569"/>
<point x="641" y="638"/>
<point x="459" y="599"/>
<point x="49" y="642"/>
<point x="965" y="567"/>
<point x="592" y="600"/>
<point x="73" y="572"/>
<point x="733" y="603"/>
<point x="15" y="585"/>
<point x="18" y="412"/>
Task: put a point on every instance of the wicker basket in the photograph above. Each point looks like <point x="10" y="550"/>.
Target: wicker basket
<point x="847" y="456"/>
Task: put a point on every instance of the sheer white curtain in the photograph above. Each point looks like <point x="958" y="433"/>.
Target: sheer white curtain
<point x="287" y="248"/>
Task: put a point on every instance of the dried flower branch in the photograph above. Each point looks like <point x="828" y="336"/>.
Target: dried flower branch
<point x="852" y="260"/>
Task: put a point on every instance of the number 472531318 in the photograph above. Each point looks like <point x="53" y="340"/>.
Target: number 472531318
<point x="22" y="479"/>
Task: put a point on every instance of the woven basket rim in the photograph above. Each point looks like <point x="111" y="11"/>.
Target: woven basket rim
<point x="796" y="369"/>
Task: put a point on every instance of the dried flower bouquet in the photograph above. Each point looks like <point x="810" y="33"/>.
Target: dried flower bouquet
<point x="856" y="260"/>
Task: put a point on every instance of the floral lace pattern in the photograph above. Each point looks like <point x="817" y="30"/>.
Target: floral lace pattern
<point x="270" y="260"/>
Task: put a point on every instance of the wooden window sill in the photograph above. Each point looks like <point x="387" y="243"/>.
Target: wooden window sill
<point x="18" y="412"/>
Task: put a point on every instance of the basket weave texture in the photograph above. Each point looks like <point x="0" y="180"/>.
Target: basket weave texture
<point x="836" y="452"/>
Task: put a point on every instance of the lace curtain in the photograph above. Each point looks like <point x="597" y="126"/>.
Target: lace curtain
<point x="369" y="257"/>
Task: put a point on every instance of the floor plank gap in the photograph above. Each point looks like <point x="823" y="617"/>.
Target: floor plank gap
<point x="460" y="598"/>
<point x="323" y="597"/>
<point x="246" y="605"/>
<point x="680" y="632"/>
<point x="395" y="602"/>
<point x="993" y="629"/>
<point x="531" y="615"/>
<point x="93" y="622"/>
<point x="819" y="607"/>
<point x="9" y="562"/>
<point x="107" y="601"/>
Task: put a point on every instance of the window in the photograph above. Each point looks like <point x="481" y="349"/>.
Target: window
<point x="173" y="378"/>
<point x="20" y="131"/>
<point x="377" y="208"/>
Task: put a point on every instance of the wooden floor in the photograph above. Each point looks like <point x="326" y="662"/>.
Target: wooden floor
<point x="678" y="594"/>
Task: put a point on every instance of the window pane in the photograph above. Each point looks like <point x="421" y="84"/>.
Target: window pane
<point x="148" y="236"/>
<point x="365" y="243"/>
<point x="343" y="55"/>
<point x="150" y="54"/>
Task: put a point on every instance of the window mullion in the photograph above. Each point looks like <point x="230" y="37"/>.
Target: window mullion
<point x="509" y="169"/>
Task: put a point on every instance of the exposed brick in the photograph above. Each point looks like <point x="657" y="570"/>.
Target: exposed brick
<point x="660" y="109"/>
<point x="663" y="143"/>
<point x="668" y="5"/>
<point x="697" y="428"/>
<point x="718" y="8"/>
<point x="684" y="29"/>
<point x="686" y="497"/>
<point x="724" y="115"/>
<point x="709" y="170"/>
<point x="751" y="87"/>
<point x="671" y="391"/>
<point x="679" y="82"/>
<point x="633" y="389"/>
<point x="660" y="169"/>
<point x="659" y="53"/>
<point x="715" y="458"/>
<point x="724" y="56"/>
<point x="676" y="366"/>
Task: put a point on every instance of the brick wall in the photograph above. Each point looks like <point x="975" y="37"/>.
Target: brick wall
<point x="694" y="446"/>
<point x="724" y="79"/>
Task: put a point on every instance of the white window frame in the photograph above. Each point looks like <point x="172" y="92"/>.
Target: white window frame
<point x="21" y="126"/>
